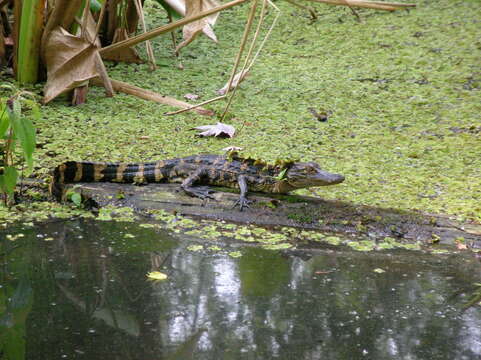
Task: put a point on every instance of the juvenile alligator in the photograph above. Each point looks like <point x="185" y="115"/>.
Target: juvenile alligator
<point x="232" y="172"/>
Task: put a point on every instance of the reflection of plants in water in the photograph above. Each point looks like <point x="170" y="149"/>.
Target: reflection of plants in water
<point x="16" y="298"/>
<point x="262" y="273"/>
<point x="475" y="298"/>
<point x="15" y="305"/>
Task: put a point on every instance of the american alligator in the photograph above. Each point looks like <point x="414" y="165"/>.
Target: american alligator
<point x="233" y="172"/>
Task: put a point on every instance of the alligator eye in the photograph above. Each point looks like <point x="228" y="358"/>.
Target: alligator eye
<point x="311" y="170"/>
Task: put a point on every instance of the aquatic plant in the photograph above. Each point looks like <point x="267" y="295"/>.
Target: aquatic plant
<point x="15" y="128"/>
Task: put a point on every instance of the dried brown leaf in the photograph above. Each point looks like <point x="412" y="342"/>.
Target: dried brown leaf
<point x="70" y="60"/>
<point x="128" y="55"/>
<point x="191" y="30"/>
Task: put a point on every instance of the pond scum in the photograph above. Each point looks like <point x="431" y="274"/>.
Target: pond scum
<point x="207" y="235"/>
<point x="401" y="91"/>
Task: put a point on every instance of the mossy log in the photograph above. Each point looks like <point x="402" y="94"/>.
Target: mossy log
<point x="286" y="210"/>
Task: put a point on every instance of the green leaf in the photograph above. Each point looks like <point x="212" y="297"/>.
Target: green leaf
<point x="29" y="36"/>
<point x="8" y="180"/>
<point x="4" y="119"/>
<point x="174" y="14"/>
<point x="95" y="5"/>
<point x="25" y="132"/>
<point x="281" y="175"/>
<point x="76" y="199"/>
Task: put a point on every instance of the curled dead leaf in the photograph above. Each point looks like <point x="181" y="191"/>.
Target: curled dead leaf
<point x="218" y="130"/>
<point x="191" y="97"/>
<point x="232" y="148"/>
<point x="70" y="60"/>
<point x="191" y="30"/>
<point x="240" y="76"/>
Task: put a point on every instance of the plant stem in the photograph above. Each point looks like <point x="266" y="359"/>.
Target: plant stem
<point x="167" y="28"/>
<point x="29" y="38"/>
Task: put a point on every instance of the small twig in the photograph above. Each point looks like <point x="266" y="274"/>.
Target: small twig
<point x="367" y="4"/>
<point x="83" y="28"/>
<point x="304" y="7"/>
<point x="148" y="95"/>
<point x="101" y="18"/>
<point x="172" y="34"/>
<point x="148" y="45"/>
<point x="3" y="3"/>
<point x="355" y="13"/>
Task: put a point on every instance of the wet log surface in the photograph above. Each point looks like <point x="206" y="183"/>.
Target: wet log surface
<point x="286" y="210"/>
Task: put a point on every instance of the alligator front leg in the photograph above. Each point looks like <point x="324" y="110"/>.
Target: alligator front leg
<point x="242" y="202"/>
<point x="202" y="192"/>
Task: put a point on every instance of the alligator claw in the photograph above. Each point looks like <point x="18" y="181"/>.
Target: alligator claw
<point x="242" y="202"/>
<point x="201" y="192"/>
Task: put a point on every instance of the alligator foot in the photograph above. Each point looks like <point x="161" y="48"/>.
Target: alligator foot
<point x="242" y="202"/>
<point x="201" y="192"/>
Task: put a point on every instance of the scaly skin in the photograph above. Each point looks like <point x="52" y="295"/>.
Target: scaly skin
<point x="243" y="174"/>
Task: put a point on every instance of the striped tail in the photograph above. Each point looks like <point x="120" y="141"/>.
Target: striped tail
<point x="84" y="171"/>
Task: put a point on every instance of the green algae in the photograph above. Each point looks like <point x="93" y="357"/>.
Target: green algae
<point x="363" y="245"/>
<point x="110" y="212"/>
<point x="441" y="251"/>
<point x="402" y="89"/>
<point x="333" y="240"/>
<point x="29" y="213"/>
<point x="235" y="254"/>
<point x="281" y="246"/>
<point x="195" y="248"/>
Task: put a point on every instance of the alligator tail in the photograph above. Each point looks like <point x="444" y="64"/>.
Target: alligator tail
<point x="84" y="171"/>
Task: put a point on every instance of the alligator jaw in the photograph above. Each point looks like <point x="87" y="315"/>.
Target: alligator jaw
<point x="315" y="178"/>
<point x="324" y="178"/>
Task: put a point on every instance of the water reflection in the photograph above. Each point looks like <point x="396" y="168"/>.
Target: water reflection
<point x="85" y="295"/>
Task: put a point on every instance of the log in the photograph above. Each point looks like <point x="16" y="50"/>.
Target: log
<point x="286" y="210"/>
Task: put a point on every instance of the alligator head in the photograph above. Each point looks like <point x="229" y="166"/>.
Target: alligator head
<point x="309" y="174"/>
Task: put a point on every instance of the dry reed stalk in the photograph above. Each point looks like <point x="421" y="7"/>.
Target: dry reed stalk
<point x="167" y="28"/>
<point x="126" y="88"/>
<point x="377" y="5"/>
<point x="148" y="45"/>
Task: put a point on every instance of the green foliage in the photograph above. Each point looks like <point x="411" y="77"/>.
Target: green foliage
<point x="15" y="128"/>
<point x="170" y="10"/>
<point x="95" y="5"/>
<point x="29" y="41"/>
<point x="281" y="175"/>
<point x="76" y="198"/>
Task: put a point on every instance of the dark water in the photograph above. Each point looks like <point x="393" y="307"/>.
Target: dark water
<point x="84" y="295"/>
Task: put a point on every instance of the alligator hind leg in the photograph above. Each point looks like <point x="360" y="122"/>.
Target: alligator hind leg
<point x="202" y="192"/>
